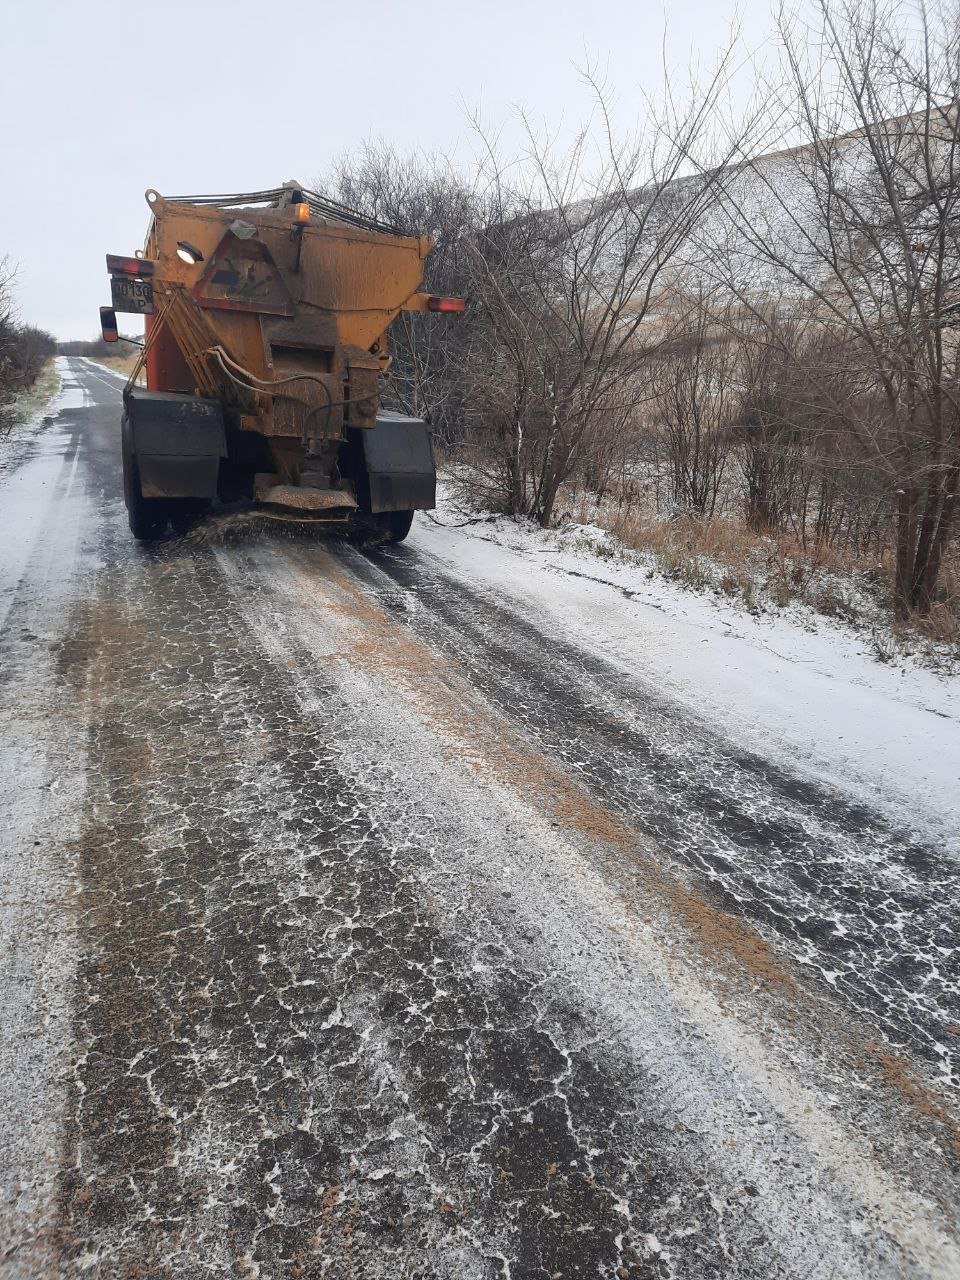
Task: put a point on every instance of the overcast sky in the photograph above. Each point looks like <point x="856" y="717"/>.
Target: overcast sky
<point x="102" y="100"/>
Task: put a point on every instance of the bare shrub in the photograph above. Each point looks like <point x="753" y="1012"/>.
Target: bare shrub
<point x="693" y="395"/>
<point x="567" y="280"/>
<point x="860" y="223"/>
<point x="24" y="350"/>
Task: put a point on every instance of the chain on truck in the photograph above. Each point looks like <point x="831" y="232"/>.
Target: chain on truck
<point x="266" y="338"/>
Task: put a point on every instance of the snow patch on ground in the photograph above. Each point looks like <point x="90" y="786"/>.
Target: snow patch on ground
<point x="790" y="684"/>
<point x="72" y="395"/>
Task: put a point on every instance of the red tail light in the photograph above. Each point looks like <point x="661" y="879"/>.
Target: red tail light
<point x="445" y="304"/>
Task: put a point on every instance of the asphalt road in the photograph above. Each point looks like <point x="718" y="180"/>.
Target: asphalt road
<point x="358" y="924"/>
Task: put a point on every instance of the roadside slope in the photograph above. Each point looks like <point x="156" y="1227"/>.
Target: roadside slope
<point x="813" y="697"/>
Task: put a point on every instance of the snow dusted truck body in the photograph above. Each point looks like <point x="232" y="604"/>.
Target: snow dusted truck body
<point x="266" y="339"/>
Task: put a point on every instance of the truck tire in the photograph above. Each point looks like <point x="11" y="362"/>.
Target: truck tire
<point x="147" y="517"/>
<point x="396" y="524"/>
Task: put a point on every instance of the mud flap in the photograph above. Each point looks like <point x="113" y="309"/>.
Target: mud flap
<point x="401" y="472"/>
<point x="178" y="441"/>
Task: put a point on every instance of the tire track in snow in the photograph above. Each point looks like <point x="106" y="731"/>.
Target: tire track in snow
<point x="865" y="908"/>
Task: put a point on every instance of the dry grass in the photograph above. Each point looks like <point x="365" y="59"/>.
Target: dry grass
<point x="119" y="364"/>
<point x="29" y="403"/>
<point x="942" y="623"/>
<point x="723" y="554"/>
<point x="786" y="565"/>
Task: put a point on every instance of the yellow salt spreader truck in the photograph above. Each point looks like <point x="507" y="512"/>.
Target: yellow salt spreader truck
<point x="265" y="344"/>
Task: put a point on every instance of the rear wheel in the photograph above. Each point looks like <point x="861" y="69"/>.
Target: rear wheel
<point x="147" y="517"/>
<point x="396" y="524"/>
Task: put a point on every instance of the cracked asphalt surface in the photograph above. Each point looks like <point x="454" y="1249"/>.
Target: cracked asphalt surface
<point x="358" y="926"/>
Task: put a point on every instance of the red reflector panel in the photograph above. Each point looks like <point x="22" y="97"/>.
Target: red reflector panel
<point x="119" y="266"/>
<point x="446" y="304"/>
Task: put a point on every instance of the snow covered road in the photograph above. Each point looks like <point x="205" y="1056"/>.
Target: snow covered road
<point x="439" y="911"/>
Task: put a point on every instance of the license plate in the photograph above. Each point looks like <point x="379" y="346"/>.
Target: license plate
<point x="130" y="294"/>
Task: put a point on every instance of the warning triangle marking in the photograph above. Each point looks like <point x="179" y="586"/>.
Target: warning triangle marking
<point x="242" y="276"/>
